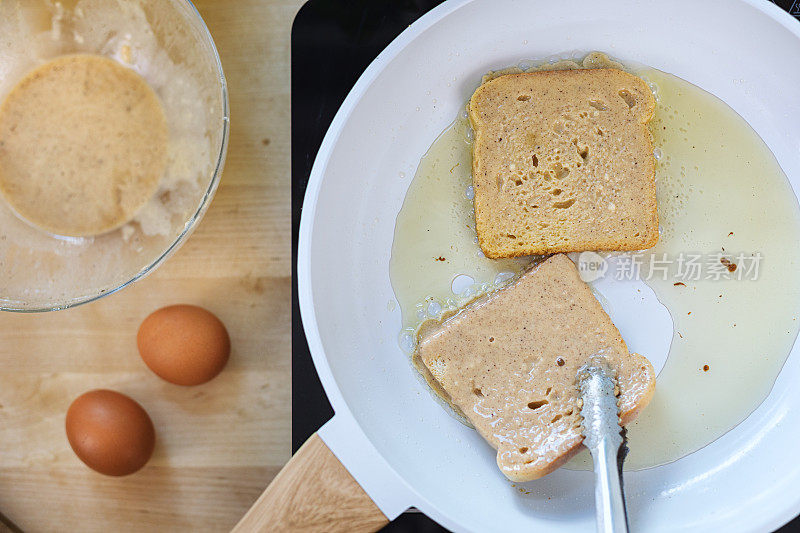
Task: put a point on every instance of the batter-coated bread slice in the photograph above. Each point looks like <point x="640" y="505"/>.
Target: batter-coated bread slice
<point x="509" y="362"/>
<point x="563" y="162"/>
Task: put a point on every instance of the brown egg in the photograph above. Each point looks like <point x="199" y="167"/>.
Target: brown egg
<point x="184" y="344"/>
<point x="110" y="432"/>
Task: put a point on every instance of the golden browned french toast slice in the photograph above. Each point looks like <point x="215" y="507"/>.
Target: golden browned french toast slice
<point x="563" y="162"/>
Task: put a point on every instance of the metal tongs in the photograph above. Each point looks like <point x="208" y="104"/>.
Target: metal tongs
<point x="604" y="437"/>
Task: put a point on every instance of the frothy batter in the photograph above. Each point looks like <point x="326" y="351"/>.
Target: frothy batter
<point x="83" y="145"/>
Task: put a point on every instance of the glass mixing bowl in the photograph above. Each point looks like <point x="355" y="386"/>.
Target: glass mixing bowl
<point x="166" y="42"/>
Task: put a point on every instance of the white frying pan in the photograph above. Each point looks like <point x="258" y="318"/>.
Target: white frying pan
<point x="396" y="442"/>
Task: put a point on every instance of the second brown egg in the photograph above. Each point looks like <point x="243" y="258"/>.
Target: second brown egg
<point x="184" y="344"/>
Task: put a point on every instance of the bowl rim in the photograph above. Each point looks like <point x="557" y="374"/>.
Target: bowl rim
<point x="205" y="201"/>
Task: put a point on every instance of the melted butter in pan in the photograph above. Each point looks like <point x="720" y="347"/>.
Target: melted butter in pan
<point x="721" y="195"/>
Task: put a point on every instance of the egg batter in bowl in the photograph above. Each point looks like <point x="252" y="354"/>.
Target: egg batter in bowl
<point x="724" y="204"/>
<point x="83" y="145"/>
<point x="113" y="190"/>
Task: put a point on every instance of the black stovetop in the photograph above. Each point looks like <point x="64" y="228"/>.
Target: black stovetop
<point x="333" y="42"/>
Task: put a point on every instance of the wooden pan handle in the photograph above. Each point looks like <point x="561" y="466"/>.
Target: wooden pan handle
<point x="313" y="492"/>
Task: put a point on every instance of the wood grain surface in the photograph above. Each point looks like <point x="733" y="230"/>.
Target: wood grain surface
<point x="313" y="492"/>
<point x="219" y="444"/>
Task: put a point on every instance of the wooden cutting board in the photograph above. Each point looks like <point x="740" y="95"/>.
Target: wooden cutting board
<point x="221" y="443"/>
